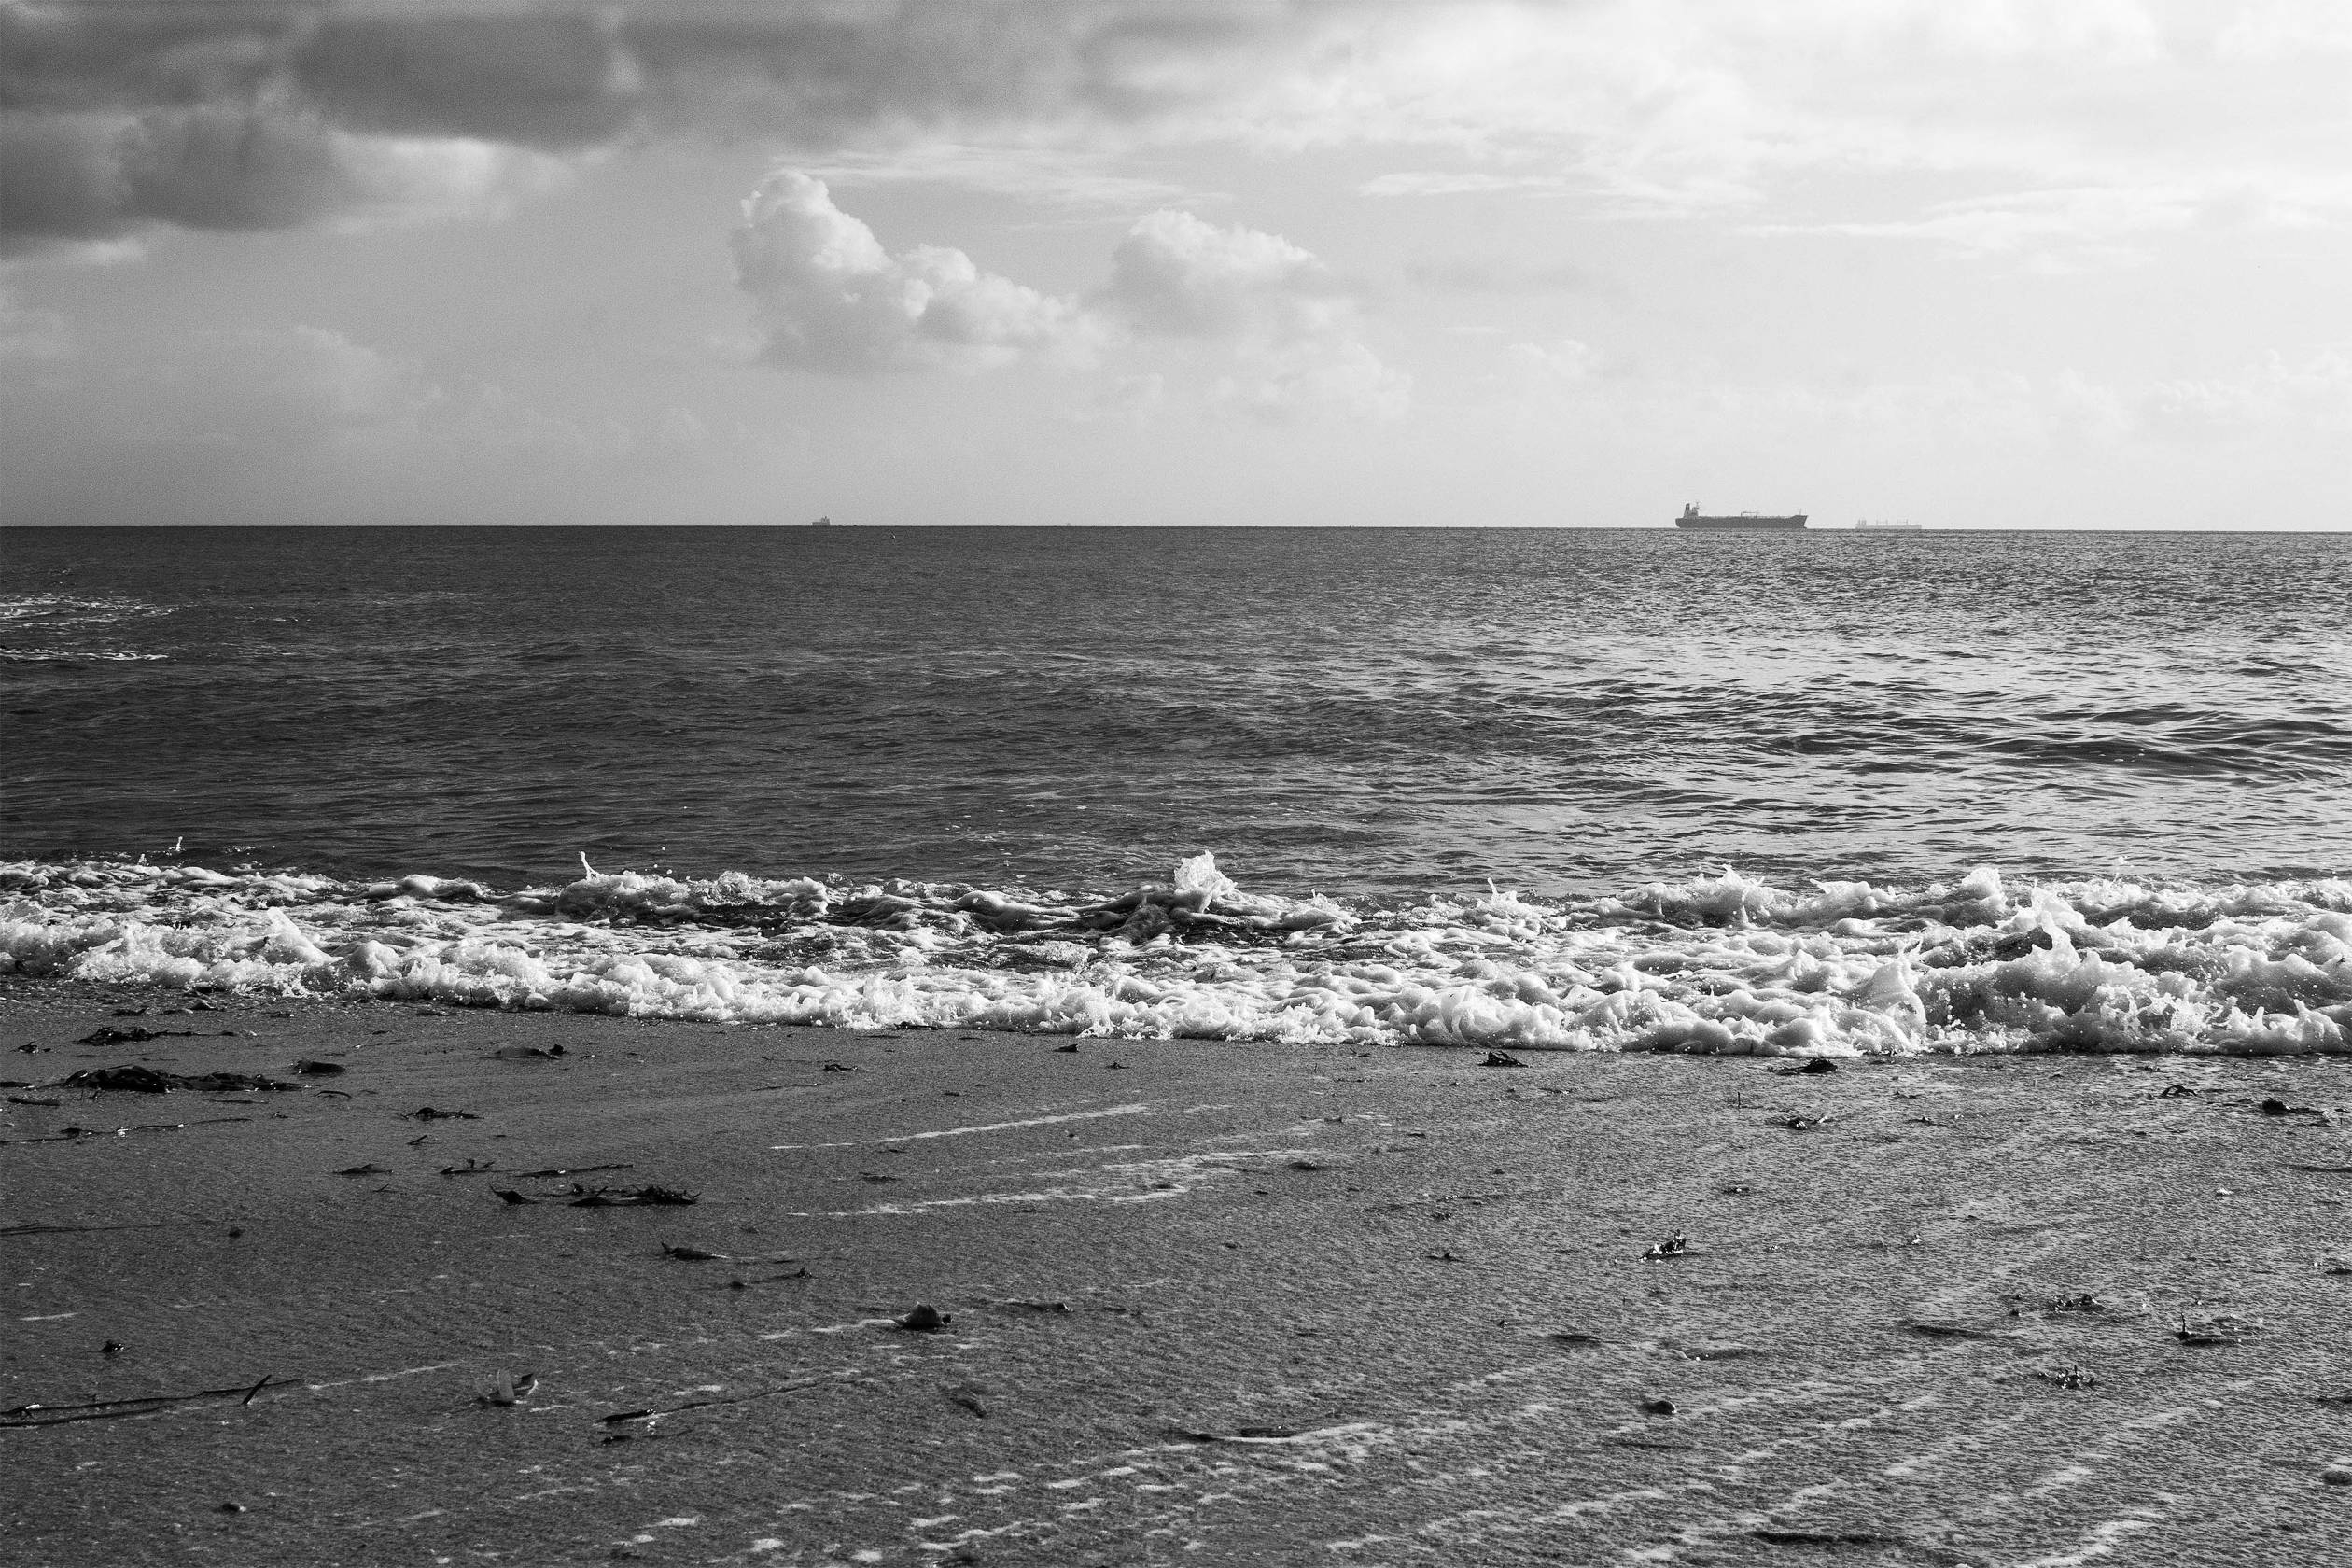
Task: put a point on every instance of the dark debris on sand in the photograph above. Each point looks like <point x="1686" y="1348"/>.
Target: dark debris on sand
<point x="148" y="1080"/>
<point x="133" y="1034"/>
<point x="630" y="1197"/>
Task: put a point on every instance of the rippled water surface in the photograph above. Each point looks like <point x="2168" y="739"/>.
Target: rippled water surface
<point x="1371" y="714"/>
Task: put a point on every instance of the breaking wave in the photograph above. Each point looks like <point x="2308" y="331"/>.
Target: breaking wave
<point x="1707" y="964"/>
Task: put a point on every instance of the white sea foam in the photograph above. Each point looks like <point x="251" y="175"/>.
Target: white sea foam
<point x="44" y="615"/>
<point x="1707" y="964"/>
<point x="70" y="609"/>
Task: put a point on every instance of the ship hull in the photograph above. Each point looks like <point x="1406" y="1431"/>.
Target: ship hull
<point x="1743" y="524"/>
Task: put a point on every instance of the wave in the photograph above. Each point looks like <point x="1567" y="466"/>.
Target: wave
<point x="72" y="610"/>
<point x="1711" y="965"/>
<point x="43" y="615"/>
<point x="77" y="656"/>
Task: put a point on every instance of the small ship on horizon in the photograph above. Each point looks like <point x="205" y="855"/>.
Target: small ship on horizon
<point x="1692" y="518"/>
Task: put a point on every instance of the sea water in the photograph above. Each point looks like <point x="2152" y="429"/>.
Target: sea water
<point x="1584" y="789"/>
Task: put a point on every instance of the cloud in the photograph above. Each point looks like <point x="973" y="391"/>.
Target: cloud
<point x="2064" y="229"/>
<point x="1061" y="177"/>
<point x="99" y="102"/>
<point x="539" y="76"/>
<point x="94" y="176"/>
<point x="2041" y="223"/>
<point x="1294" y="330"/>
<point x="1284" y="335"/>
<point x="269" y="113"/>
<point x="1635" y="108"/>
<point x="114" y="118"/>
<point x="1177" y="276"/>
<point x="829" y="297"/>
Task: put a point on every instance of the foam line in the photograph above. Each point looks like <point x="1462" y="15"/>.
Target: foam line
<point x="1720" y="965"/>
<point x="1136" y="1110"/>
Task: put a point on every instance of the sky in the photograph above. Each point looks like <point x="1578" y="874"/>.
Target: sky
<point x="1967" y="263"/>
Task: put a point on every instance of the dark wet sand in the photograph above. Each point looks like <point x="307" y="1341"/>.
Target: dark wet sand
<point x="1242" y="1303"/>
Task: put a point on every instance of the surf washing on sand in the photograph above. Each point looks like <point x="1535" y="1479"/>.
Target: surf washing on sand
<point x="1718" y="964"/>
<point x="1573" y="790"/>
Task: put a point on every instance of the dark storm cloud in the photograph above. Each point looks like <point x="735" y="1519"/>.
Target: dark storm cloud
<point x="90" y="177"/>
<point x="259" y="115"/>
<point x="156" y="54"/>
<point x="553" y="79"/>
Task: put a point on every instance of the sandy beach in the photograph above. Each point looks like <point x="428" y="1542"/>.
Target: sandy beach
<point x="1204" y="1301"/>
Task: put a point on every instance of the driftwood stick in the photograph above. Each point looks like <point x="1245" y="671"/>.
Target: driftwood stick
<point x="115" y="1410"/>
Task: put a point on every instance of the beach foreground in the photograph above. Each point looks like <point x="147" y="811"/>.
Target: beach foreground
<point x="1206" y="1301"/>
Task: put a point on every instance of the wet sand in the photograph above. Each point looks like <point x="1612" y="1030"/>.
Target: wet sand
<point x="1209" y="1302"/>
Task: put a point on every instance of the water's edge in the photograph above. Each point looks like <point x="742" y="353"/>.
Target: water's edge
<point x="1720" y="965"/>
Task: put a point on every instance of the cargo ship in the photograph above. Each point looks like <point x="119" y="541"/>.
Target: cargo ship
<point x="1690" y="518"/>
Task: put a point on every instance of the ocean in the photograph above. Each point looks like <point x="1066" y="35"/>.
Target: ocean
<point x="1829" y="793"/>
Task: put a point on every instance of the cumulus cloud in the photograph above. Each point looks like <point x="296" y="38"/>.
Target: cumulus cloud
<point x="1178" y="275"/>
<point x="1284" y="334"/>
<point x="1295" y="331"/>
<point x="830" y="296"/>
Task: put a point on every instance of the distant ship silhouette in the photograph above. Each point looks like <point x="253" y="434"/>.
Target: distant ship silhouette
<point x="1691" y="518"/>
<point x="822" y="523"/>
